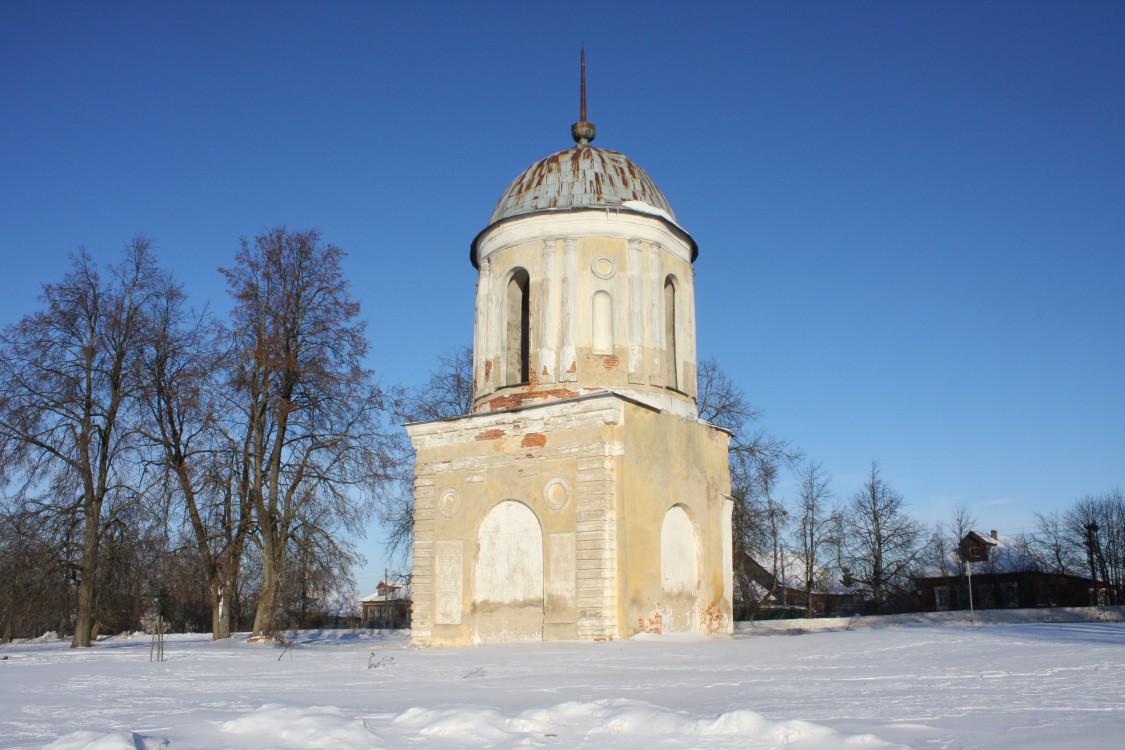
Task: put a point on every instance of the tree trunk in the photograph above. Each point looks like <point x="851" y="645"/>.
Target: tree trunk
<point x="84" y="621"/>
<point x="220" y="608"/>
<point x="268" y="595"/>
<point x="224" y="593"/>
<point x="64" y="618"/>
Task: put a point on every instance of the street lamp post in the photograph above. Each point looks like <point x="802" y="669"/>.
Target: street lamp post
<point x="969" y="568"/>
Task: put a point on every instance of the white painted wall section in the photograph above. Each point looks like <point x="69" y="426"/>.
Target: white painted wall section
<point x="678" y="564"/>
<point x="509" y="567"/>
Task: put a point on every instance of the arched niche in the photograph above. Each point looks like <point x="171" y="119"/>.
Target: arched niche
<point x="508" y="574"/>
<point x="602" y="322"/>
<point x="679" y="570"/>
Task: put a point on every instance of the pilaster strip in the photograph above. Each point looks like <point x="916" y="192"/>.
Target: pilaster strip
<point x="569" y="311"/>
<point x="596" y="553"/>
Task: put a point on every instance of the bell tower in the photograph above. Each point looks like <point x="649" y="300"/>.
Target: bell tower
<point x="583" y="498"/>
<point x="585" y="283"/>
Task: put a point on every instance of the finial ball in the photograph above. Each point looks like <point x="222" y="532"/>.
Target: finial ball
<point x="582" y="132"/>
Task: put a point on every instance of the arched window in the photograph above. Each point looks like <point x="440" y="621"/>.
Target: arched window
<point x="507" y="594"/>
<point x="509" y="566"/>
<point x="678" y="564"/>
<point x="518" y="330"/>
<point x="671" y="361"/>
<point x="679" y="571"/>
<point x="603" y="323"/>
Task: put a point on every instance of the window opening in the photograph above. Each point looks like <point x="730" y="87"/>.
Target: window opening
<point x="671" y="369"/>
<point x="518" y="334"/>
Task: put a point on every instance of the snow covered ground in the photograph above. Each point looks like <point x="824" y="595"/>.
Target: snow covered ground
<point x="933" y="683"/>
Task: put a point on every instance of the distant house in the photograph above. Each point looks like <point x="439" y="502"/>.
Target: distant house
<point x="388" y="607"/>
<point x="784" y="596"/>
<point x="1002" y="576"/>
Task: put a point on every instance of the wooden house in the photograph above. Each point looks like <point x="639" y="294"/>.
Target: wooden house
<point x="998" y="573"/>
<point x="388" y="607"/>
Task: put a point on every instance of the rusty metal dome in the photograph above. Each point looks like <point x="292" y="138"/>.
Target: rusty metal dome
<point x="582" y="177"/>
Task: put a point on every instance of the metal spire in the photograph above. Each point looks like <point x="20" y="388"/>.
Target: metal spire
<point x="582" y="131"/>
<point x="582" y="115"/>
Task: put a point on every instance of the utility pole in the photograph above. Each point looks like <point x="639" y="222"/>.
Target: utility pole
<point x="784" y="581"/>
<point x="969" y="567"/>
<point x="967" y="558"/>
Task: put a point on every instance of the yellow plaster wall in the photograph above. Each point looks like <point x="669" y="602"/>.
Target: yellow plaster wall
<point x="510" y="458"/>
<point x="671" y="461"/>
<point x="624" y="466"/>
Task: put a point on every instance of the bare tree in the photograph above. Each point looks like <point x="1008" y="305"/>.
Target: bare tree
<point x="761" y="523"/>
<point x="1095" y="524"/>
<point x="756" y="458"/>
<point x="318" y="569"/>
<point x="182" y="587"/>
<point x="1049" y="546"/>
<point x="195" y="443"/>
<point x="128" y="568"/>
<point x="936" y="553"/>
<point x="35" y="588"/>
<point x="67" y="392"/>
<point x="312" y="412"/>
<point x="880" y="541"/>
<point x="447" y="392"/>
<point x="815" y="527"/>
<point x="958" y="527"/>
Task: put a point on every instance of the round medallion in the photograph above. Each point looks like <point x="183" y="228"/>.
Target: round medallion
<point x="449" y="503"/>
<point x="603" y="268"/>
<point x="556" y="494"/>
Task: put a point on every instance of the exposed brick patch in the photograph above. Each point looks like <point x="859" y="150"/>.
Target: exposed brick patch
<point x="490" y="434"/>
<point x="610" y="362"/>
<point x="653" y="624"/>
<point x="503" y="402"/>
<point x="573" y="367"/>
<point x="545" y="373"/>
<point x="533" y="440"/>
<point x="713" y="620"/>
<point x="488" y="369"/>
<point x="513" y="400"/>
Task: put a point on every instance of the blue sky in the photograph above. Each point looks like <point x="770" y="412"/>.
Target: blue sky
<point x="911" y="217"/>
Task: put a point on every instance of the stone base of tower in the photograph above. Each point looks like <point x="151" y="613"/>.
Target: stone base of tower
<point x="592" y="518"/>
